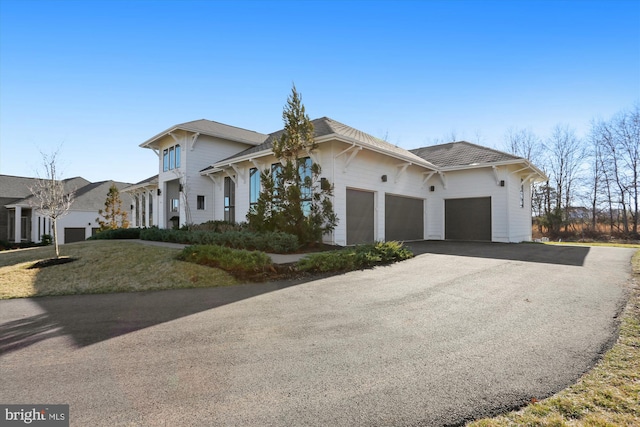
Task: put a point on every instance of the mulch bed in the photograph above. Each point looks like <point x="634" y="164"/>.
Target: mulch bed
<point x="53" y="261"/>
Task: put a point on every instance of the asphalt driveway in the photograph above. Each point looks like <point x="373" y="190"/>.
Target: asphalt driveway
<point x="456" y="333"/>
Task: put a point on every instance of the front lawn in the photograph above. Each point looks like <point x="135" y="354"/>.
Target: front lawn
<point x="103" y="266"/>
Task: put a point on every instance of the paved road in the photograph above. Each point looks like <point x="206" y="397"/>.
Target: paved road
<point x="435" y="340"/>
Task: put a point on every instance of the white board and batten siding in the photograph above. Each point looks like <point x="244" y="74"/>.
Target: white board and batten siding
<point x="206" y="151"/>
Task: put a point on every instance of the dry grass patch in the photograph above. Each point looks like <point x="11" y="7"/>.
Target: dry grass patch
<point x="102" y="267"/>
<point x="608" y="395"/>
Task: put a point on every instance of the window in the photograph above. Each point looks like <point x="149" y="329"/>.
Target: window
<point x="521" y="193"/>
<point x="229" y="200"/>
<point x="200" y="203"/>
<point x="254" y="186"/>
<point x="165" y="160"/>
<point x="306" y="191"/>
<point x="171" y="158"/>
<point x="175" y="205"/>
<point x="305" y="174"/>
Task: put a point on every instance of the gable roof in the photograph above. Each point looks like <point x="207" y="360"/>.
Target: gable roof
<point x="465" y="155"/>
<point x="325" y="129"/>
<point x="93" y="196"/>
<point x="88" y="196"/>
<point x="462" y="153"/>
<point x="211" y="128"/>
<point x="15" y="187"/>
<point x="150" y="183"/>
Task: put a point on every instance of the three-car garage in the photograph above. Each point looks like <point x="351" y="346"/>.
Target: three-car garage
<point x="404" y="217"/>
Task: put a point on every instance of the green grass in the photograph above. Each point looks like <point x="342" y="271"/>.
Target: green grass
<point x="606" y="396"/>
<point x="103" y="266"/>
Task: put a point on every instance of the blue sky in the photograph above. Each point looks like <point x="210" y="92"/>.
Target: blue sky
<point x="99" y="78"/>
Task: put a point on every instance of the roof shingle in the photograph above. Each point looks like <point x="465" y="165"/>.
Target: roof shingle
<point x="462" y="153"/>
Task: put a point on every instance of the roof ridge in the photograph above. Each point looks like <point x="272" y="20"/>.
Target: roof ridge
<point x="218" y="123"/>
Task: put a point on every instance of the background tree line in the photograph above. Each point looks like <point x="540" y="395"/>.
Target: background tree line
<point x="592" y="186"/>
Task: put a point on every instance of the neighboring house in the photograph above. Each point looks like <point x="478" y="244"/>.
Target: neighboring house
<point x="455" y="191"/>
<point x="20" y="221"/>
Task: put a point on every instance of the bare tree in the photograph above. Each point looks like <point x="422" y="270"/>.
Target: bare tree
<point x="618" y="141"/>
<point x="566" y="157"/>
<point x="524" y="143"/>
<point x="50" y="197"/>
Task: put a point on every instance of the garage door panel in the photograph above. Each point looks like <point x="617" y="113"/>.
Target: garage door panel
<point x="404" y="218"/>
<point x="360" y="218"/>
<point x="72" y="234"/>
<point x="468" y="219"/>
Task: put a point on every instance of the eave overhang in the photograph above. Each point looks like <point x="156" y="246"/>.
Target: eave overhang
<point x="527" y="166"/>
<point x="153" y="141"/>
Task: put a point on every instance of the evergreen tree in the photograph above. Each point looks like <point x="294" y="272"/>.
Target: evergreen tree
<point x="113" y="216"/>
<point x="294" y="198"/>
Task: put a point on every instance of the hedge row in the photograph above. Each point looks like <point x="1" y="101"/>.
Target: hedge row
<point x="355" y="258"/>
<point x="117" y="233"/>
<point x="239" y="262"/>
<point x="275" y="242"/>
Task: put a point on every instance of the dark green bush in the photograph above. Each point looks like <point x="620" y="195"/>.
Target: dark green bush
<point x="239" y="239"/>
<point x="117" y="233"/>
<point x="357" y="257"/>
<point x="239" y="262"/>
<point x="217" y="226"/>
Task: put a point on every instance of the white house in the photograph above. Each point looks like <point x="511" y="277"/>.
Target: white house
<point x="456" y="191"/>
<point x="21" y="222"/>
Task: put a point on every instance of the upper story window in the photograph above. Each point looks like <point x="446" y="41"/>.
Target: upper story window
<point x="171" y="158"/>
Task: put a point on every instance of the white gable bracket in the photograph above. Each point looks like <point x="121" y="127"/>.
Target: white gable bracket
<point x="258" y="165"/>
<point x="215" y="180"/>
<point x="355" y="151"/>
<point x="194" y="139"/>
<point x="230" y="175"/>
<point x="239" y="172"/>
<point x="156" y="151"/>
<point x="426" y="176"/>
<point x="443" y="179"/>
<point x="402" y="167"/>
<point x="495" y="174"/>
<point x="175" y="138"/>
<point x="520" y="170"/>
<point x="312" y="155"/>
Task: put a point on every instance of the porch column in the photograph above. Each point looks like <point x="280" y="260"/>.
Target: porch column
<point x="17" y="228"/>
<point x="35" y="220"/>
<point x="147" y="194"/>
<point x="139" y="208"/>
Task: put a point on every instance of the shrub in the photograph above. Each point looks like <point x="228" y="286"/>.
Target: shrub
<point x="357" y="257"/>
<point x="239" y="239"/>
<point x="46" y="240"/>
<point x="216" y="226"/>
<point x="117" y="233"/>
<point x="239" y="262"/>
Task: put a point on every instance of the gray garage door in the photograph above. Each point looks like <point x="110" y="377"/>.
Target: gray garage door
<point x="403" y="218"/>
<point x="73" y="235"/>
<point x="359" y="217"/>
<point x="467" y="219"/>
